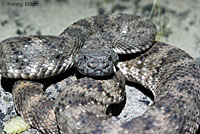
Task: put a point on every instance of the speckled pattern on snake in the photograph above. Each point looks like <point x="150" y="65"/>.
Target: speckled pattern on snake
<point x="95" y="45"/>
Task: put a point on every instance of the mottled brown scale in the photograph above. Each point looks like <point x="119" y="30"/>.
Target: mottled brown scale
<point x="34" y="106"/>
<point x="125" y="33"/>
<point x="91" y="94"/>
<point x="176" y="108"/>
<point x="35" y="57"/>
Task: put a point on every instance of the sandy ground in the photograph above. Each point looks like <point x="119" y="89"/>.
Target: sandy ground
<point x="177" y="21"/>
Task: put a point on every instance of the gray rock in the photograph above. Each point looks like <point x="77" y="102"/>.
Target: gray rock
<point x="6" y="107"/>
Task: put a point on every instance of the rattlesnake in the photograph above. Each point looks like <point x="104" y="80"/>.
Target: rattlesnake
<point x="168" y="72"/>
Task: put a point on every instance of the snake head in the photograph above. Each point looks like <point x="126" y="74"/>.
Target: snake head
<point x="96" y="62"/>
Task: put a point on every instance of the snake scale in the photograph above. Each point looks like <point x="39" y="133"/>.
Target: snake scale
<point x="94" y="46"/>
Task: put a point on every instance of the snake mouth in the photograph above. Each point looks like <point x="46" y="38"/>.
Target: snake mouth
<point x="100" y="72"/>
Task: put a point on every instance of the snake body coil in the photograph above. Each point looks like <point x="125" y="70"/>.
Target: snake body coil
<point x="94" y="46"/>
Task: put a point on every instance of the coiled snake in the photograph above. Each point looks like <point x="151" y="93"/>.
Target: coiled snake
<point x="94" y="46"/>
